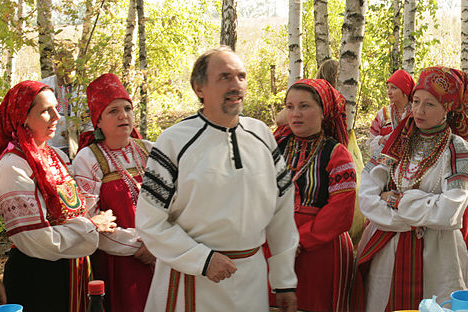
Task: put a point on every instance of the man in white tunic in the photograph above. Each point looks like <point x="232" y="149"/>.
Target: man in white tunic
<point x="214" y="190"/>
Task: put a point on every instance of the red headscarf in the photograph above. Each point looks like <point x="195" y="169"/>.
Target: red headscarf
<point x="449" y="86"/>
<point x="13" y="111"/>
<point x="334" y="108"/>
<point x="403" y="81"/>
<point x="100" y="93"/>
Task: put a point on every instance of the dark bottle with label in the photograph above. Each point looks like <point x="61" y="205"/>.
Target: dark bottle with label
<point x="96" y="296"/>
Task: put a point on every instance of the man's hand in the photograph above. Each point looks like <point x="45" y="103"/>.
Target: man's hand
<point x="220" y="267"/>
<point x="144" y="255"/>
<point x="287" y="301"/>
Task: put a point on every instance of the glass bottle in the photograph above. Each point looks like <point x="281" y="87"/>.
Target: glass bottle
<point x="96" y="296"/>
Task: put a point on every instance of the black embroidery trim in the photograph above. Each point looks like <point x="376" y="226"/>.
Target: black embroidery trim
<point x="164" y="161"/>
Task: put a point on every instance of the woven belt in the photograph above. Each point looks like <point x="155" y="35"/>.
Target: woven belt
<point x="190" y="282"/>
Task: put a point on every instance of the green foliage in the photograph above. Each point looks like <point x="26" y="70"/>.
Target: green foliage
<point x="11" y="38"/>
<point x="260" y="101"/>
<point x="335" y="21"/>
<point x="377" y="48"/>
<point x="376" y="59"/>
<point x="175" y="34"/>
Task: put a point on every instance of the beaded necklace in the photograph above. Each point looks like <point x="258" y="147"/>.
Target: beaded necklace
<point x="419" y="155"/>
<point x="301" y="151"/>
<point x="397" y="116"/>
<point x="129" y="180"/>
<point x="72" y="201"/>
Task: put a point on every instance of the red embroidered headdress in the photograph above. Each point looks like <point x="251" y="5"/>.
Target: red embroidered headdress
<point x="449" y="86"/>
<point x="13" y="111"/>
<point x="100" y="93"/>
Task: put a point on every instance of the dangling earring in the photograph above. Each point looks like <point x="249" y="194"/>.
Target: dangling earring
<point x="98" y="135"/>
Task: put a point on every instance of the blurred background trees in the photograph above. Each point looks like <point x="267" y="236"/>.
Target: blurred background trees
<point x="103" y="37"/>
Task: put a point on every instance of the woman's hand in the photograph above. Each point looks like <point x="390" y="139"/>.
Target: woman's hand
<point x="299" y="249"/>
<point x="104" y="221"/>
<point x="144" y="255"/>
<point x="384" y="195"/>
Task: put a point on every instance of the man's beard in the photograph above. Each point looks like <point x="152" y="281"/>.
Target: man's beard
<point x="233" y="110"/>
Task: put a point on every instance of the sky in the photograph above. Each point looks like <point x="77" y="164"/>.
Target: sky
<point x="280" y="7"/>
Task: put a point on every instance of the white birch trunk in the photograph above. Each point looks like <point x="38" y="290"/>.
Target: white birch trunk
<point x="350" y="56"/>
<point x="229" y="24"/>
<point x="295" y="41"/>
<point x="10" y="54"/>
<point x="87" y="27"/>
<point x="409" y="41"/>
<point x="46" y="36"/>
<point x="396" y="35"/>
<point x="464" y="36"/>
<point x="129" y="46"/>
<point x="143" y="67"/>
<point x="322" y="37"/>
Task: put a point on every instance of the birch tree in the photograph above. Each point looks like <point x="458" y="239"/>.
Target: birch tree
<point x="143" y="67"/>
<point x="229" y="24"/>
<point x="322" y="37"/>
<point x="409" y="40"/>
<point x="295" y="41"/>
<point x="87" y="28"/>
<point x="128" y="59"/>
<point x="464" y="36"/>
<point x="46" y="36"/>
<point x="10" y="52"/>
<point x="396" y="35"/>
<point x="350" y="55"/>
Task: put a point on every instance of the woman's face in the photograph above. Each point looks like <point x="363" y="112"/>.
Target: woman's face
<point x="43" y="117"/>
<point x="116" y="120"/>
<point x="395" y="95"/>
<point x="427" y="110"/>
<point x="304" y="114"/>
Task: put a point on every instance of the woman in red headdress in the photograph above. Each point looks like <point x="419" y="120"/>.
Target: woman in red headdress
<point x="399" y="87"/>
<point x="110" y="166"/>
<point x="313" y="144"/>
<point x="42" y="209"/>
<point x="414" y="194"/>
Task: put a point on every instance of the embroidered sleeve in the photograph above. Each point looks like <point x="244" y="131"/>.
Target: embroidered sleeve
<point x="18" y="204"/>
<point x="343" y="176"/>
<point x="377" y="124"/>
<point x="123" y="242"/>
<point x="159" y="180"/>
<point x="459" y="166"/>
<point x="281" y="232"/>
<point x="166" y="239"/>
<point x="23" y="210"/>
<point x="88" y="176"/>
<point x="283" y="177"/>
